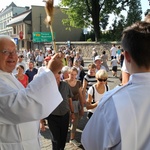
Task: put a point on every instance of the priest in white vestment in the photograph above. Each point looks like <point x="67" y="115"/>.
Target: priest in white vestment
<point x="121" y="120"/>
<point x="22" y="108"/>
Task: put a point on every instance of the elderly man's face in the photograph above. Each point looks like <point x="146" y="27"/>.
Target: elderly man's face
<point x="8" y="60"/>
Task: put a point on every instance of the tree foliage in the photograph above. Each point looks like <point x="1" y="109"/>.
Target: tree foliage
<point x="134" y="13"/>
<point x="115" y="32"/>
<point x="91" y="13"/>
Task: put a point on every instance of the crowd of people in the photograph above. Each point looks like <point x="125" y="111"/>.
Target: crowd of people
<point x="78" y="88"/>
<point x="58" y="89"/>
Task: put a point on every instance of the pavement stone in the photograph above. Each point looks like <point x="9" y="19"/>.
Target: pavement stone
<point x="46" y="135"/>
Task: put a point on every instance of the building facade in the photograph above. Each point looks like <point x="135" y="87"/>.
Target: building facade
<point x="6" y="15"/>
<point x="32" y="21"/>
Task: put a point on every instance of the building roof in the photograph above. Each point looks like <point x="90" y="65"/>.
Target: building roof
<point x="11" y="5"/>
<point x="19" y="18"/>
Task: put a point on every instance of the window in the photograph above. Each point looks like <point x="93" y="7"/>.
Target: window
<point x="14" y="30"/>
<point x="22" y="43"/>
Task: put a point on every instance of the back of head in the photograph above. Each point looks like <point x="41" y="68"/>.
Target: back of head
<point x="136" y="41"/>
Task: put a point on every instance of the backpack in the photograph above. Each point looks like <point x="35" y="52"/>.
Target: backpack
<point x="93" y="96"/>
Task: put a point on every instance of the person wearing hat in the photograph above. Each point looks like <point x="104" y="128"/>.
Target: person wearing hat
<point x="98" y="63"/>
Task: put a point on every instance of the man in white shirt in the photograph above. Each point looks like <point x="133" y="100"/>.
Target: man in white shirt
<point x="22" y="108"/>
<point x="40" y="59"/>
<point x="121" y="120"/>
<point x="113" y="51"/>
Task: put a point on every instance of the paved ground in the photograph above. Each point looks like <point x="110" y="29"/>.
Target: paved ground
<point x="45" y="136"/>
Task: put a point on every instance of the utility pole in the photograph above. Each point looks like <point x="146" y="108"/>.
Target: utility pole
<point x="40" y="28"/>
<point x="40" y="23"/>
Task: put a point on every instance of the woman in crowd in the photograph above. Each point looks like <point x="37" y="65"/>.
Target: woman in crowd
<point x="81" y="72"/>
<point x="96" y="91"/>
<point x="21" y="76"/>
<point x="77" y="99"/>
<point x="104" y="58"/>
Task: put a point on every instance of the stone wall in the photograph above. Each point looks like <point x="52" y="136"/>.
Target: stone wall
<point x="86" y="47"/>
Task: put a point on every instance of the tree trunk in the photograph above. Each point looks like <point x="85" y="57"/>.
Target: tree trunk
<point x="95" y="18"/>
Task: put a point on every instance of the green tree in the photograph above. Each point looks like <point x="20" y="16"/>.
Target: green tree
<point x="91" y="13"/>
<point x="115" y="30"/>
<point x="134" y="12"/>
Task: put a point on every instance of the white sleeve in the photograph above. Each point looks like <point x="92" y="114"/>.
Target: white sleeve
<point x="35" y="102"/>
<point x="102" y="130"/>
<point x="124" y="68"/>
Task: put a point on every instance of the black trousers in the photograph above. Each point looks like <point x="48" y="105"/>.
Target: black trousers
<point x="58" y="126"/>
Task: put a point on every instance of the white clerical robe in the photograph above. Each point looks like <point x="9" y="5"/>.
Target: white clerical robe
<point x="121" y="120"/>
<point x="22" y="108"/>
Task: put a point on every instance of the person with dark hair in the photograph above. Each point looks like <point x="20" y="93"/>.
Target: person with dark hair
<point x="120" y="120"/>
<point x="23" y="78"/>
<point x="118" y="53"/>
<point x="114" y="63"/>
<point x="58" y="120"/>
<point x="19" y="62"/>
<point x="89" y="80"/>
<point x="31" y="72"/>
<point x="104" y="58"/>
<point x="125" y="73"/>
<point x="121" y="59"/>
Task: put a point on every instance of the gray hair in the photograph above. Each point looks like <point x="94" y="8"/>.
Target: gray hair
<point x="2" y="37"/>
<point x="65" y="69"/>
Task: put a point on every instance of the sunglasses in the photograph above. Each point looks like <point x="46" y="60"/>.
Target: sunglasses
<point x="102" y="80"/>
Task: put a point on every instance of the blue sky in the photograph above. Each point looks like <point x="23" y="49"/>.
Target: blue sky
<point x="145" y="6"/>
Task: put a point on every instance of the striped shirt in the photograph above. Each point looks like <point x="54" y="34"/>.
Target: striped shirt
<point x="90" y="80"/>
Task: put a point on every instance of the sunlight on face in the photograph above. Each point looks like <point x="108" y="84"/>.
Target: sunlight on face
<point x="8" y="62"/>
<point x="73" y="74"/>
<point x="92" y="71"/>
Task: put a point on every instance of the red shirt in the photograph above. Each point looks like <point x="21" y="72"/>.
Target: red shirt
<point x="24" y="81"/>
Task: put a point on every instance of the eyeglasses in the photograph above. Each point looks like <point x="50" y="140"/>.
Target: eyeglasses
<point x="102" y="80"/>
<point x="7" y="53"/>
